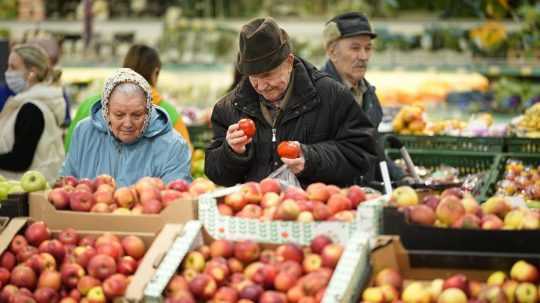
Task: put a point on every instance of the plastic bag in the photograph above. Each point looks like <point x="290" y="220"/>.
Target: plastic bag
<point x="284" y="174"/>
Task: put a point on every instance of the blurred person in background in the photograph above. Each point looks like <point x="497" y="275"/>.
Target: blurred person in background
<point x="127" y="137"/>
<point x="30" y="136"/>
<point x="348" y="44"/>
<point x="145" y="61"/>
<point x="51" y="46"/>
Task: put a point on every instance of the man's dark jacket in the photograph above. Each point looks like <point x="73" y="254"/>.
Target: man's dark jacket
<point x="337" y="138"/>
<point x="373" y="110"/>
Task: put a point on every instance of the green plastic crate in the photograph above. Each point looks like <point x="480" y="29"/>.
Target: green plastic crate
<point x="466" y="162"/>
<point x="453" y="143"/>
<point x="200" y="135"/>
<point x="522" y="145"/>
<point x="499" y="168"/>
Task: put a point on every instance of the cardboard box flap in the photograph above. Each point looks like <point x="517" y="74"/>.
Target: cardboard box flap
<point x="10" y="231"/>
<point x="161" y="245"/>
<point x="3" y="222"/>
<point x="186" y="240"/>
<point x="346" y="277"/>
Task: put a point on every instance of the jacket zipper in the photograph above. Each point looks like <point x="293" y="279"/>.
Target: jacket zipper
<point x="119" y="149"/>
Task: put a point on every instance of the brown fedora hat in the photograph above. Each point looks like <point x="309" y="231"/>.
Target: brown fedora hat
<point x="263" y="46"/>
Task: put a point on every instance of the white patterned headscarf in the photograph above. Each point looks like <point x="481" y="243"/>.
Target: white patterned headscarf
<point x="126" y="75"/>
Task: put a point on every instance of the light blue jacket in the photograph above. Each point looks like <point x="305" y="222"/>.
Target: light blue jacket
<point x="159" y="152"/>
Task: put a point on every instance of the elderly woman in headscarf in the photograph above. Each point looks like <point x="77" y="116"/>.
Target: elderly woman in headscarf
<point x="127" y="137"/>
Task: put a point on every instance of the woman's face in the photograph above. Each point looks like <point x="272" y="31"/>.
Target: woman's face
<point x="127" y="113"/>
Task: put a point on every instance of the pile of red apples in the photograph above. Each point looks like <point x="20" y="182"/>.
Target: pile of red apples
<point x="68" y="267"/>
<point x="268" y="200"/>
<point x="520" y="286"/>
<point x="149" y="195"/>
<point x="456" y="208"/>
<point x="246" y="272"/>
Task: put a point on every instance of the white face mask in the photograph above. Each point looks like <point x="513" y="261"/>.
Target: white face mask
<point x="15" y="81"/>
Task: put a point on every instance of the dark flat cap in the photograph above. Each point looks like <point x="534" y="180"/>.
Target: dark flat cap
<point x="347" y="25"/>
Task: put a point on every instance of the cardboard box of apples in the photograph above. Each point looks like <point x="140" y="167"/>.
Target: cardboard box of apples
<point x="94" y="204"/>
<point x="270" y="211"/>
<point x="400" y="275"/>
<point x="218" y="270"/>
<point x="48" y="262"/>
<point x="454" y="220"/>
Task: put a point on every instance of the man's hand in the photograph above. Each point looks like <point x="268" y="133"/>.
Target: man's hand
<point x="295" y="165"/>
<point x="236" y="139"/>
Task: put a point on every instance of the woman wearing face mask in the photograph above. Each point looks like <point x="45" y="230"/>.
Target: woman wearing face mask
<point x="127" y="137"/>
<point x="30" y="136"/>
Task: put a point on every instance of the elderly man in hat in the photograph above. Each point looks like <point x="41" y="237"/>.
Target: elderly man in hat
<point x="347" y="40"/>
<point x="348" y="43"/>
<point x="289" y="100"/>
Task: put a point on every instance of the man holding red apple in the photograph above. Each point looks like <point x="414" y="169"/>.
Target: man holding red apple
<point x="287" y="99"/>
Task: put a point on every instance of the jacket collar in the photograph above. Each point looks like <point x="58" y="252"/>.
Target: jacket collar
<point x="303" y="96"/>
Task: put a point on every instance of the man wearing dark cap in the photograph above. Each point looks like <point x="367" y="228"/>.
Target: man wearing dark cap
<point x="348" y="43"/>
<point x="289" y="100"/>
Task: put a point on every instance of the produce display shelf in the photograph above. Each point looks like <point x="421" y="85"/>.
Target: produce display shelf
<point x="522" y="145"/>
<point x="452" y="143"/>
<point x="500" y="166"/>
<point x="200" y="135"/>
<point x="465" y="162"/>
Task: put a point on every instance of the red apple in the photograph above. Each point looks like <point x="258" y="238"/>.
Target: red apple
<point x="124" y="197"/>
<point x="251" y="192"/>
<point x="69" y="181"/>
<point x="115" y="286"/>
<point x="177" y="283"/>
<point x="270" y="185"/>
<point x="226" y="294"/>
<point x="127" y="265"/>
<point x="222" y="248"/>
<point x="152" y="206"/>
<point x="317" y="192"/>
<point x="69" y="236"/>
<point x="83" y="254"/>
<point x="321" y="212"/>
<point x="8" y="260"/>
<point x="113" y="249"/>
<point x="134" y="246"/>
<point x="148" y="194"/>
<point x="246" y="251"/>
<point x="105" y="179"/>
<point x="251" y="292"/>
<point x="270" y="199"/>
<point x="50" y="279"/>
<point x="236" y="201"/>
<point x="169" y="196"/>
<point x="250" y="211"/>
<point x="101" y="208"/>
<point x="312" y="262"/>
<point x="422" y="214"/>
<point x="26" y="253"/>
<point x="23" y="276"/>
<point x="18" y="243"/>
<point x="105" y="195"/>
<point x="194" y="260"/>
<point x="449" y="210"/>
<point x="46" y="295"/>
<point x="55" y="248"/>
<point x="313" y="282"/>
<point x="179" y="185"/>
<point x="101" y="266"/>
<point x="331" y="254"/>
<point x="203" y="286"/>
<point x="86" y="283"/>
<point x="71" y="273"/>
<point x="107" y="237"/>
<point x="37" y="232"/>
<point x="319" y="242"/>
<point x="288" y="210"/>
<point x="81" y="200"/>
<point x="432" y="201"/>
<point x="271" y="296"/>
<point x="59" y="197"/>
<point x="291" y="252"/>
<point x="338" y="202"/>
<point x="91" y="184"/>
<point x="291" y="268"/>
<point x="218" y="270"/>
<point x="295" y="193"/>
<point x="5" y="274"/>
<point x="389" y="276"/>
<point x="356" y="195"/>
<point x="225" y="210"/>
<point x="459" y="281"/>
